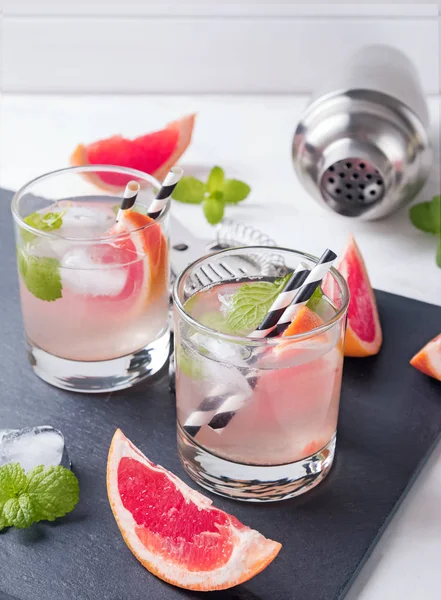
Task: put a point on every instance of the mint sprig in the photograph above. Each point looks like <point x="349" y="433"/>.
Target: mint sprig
<point x="43" y="494"/>
<point x="214" y="194"/>
<point x="251" y="302"/>
<point x="426" y="216"/>
<point x="49" y="221"/>
<point x="41" y="275"/>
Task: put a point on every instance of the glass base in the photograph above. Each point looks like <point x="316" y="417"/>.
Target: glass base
<point x="100" y="376"/>
<point x="253" y="483"/>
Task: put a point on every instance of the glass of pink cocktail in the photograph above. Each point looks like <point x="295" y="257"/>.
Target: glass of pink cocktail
<point x="94" y="291"/>
<point x="256" y="418"/>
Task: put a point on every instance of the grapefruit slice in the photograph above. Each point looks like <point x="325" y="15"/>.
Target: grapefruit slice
<point x="174" y="531"/>
<point x="305" y="320"/>
<point x="147" y="277"/>
<point x="428" y="359"/>
<point x="363" y="333"/>
<point x="154" y="153"/>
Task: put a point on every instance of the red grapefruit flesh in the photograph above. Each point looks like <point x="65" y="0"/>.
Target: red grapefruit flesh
<point x="428" y="359"/>
<point x="147" y="277"/>
<point x="363" y="334"/>
<point x="174" y="531"/>
<point x="154" y="153"/>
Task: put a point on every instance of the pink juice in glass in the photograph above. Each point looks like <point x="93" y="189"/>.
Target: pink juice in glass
<point x="111" y="304"/>
<point x="292" y="410"/>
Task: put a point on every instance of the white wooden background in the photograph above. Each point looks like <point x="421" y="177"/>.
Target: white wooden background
<point x="209" y="47"/>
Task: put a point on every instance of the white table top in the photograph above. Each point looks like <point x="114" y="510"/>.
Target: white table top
<point x="250" y="137"/>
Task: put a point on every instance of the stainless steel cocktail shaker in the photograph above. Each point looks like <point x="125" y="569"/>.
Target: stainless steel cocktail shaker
<point x="362" y="147"/>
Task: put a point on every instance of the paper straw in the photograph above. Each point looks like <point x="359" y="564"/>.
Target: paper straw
<point x="283" y="300"/>
<point x="168" y="185"/>
<point x="129" y="198"/>
<point x="306" y="290"/>
<point x="218" y="409"/>
<point x="311" y="280"/>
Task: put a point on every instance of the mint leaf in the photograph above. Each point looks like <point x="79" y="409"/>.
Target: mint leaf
<point x="251" y="303"/>
<point x="215" y="181"/>
<point x="189" y="190"/>
<point x="45" y="493"/>
<point x="214" y="208"/>
<point x="19" y="511"/>
<point x="12" y="481"/>
<point x="54" y="491"/>
<point x="45" y="222"/>
<point x="41" y="275"/>
<point x="235" y="191"/>
<point x="427" y="215"/>
<point x="314" y="301"/>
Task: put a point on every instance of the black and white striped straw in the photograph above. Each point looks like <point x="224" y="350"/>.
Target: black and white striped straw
<point x="168" y="185"/>
<point x="129" y="198"/>
<point x="306" y="290"/>
<point x="283" y="300"/>
<point x="311" y="280"/>
<point x="218" y="409"/>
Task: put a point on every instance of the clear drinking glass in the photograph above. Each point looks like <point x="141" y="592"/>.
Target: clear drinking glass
<point x="256" y="419"/>
<point x="94" y="293"/>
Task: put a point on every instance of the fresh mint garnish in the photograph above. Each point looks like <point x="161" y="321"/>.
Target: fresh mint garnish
<point x="41" y="275"/>
<point x="314" y="301"/>
<point x="44" y="222"/>
<point x="235" y="191"/>
<point x="190" y="191"/>
<point x="251" y="303"/>
<point x="216" y="180"/>
<point x="214" y="208"/>
<point x="43" y="494"/>
<point x="426" y="216"/>
<point x="213" y="194"/>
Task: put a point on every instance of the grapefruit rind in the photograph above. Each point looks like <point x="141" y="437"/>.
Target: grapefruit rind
<point x="185" y="126"/>
<point x="428" y="359"/>
<point x="252" y="552"/>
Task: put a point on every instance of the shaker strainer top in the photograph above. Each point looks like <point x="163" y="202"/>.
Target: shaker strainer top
<point x="352" y="183"/>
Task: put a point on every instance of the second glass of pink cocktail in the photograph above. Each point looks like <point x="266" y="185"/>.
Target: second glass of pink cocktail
<point x="257" y="418"/>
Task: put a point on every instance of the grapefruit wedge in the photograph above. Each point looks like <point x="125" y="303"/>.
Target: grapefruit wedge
<point x="305" y="320"/>
<point x="363" y="333"/>
<point x="428" y="359"/>
<point x="154" y="153"/>
<point x="174" y="531"/>
<point x="147" y="277"/>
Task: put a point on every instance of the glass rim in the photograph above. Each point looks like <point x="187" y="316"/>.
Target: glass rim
<point x="261" y="341"/>
<point x="79" y="169"/>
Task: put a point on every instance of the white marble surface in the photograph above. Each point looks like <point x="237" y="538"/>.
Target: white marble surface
<point x="250" y="137"/>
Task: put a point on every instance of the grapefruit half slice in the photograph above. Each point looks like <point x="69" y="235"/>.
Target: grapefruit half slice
<point x="174" y="531"/>
<point x="154" y="153"/>
<point x="147" y="277"/>
<point x="363" y="333"/>
<point x="305" y="320"/>
<point x="428" y="359"/>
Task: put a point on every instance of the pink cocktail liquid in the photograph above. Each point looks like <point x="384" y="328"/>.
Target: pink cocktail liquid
<point x="107" y="309"/>
<point x="291" y="413"/>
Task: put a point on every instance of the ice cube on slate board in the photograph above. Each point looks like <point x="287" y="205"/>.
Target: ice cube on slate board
<point x="33" y="446"/>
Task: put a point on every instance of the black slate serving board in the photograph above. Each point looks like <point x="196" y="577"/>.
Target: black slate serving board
<point x="390" y="419"/>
